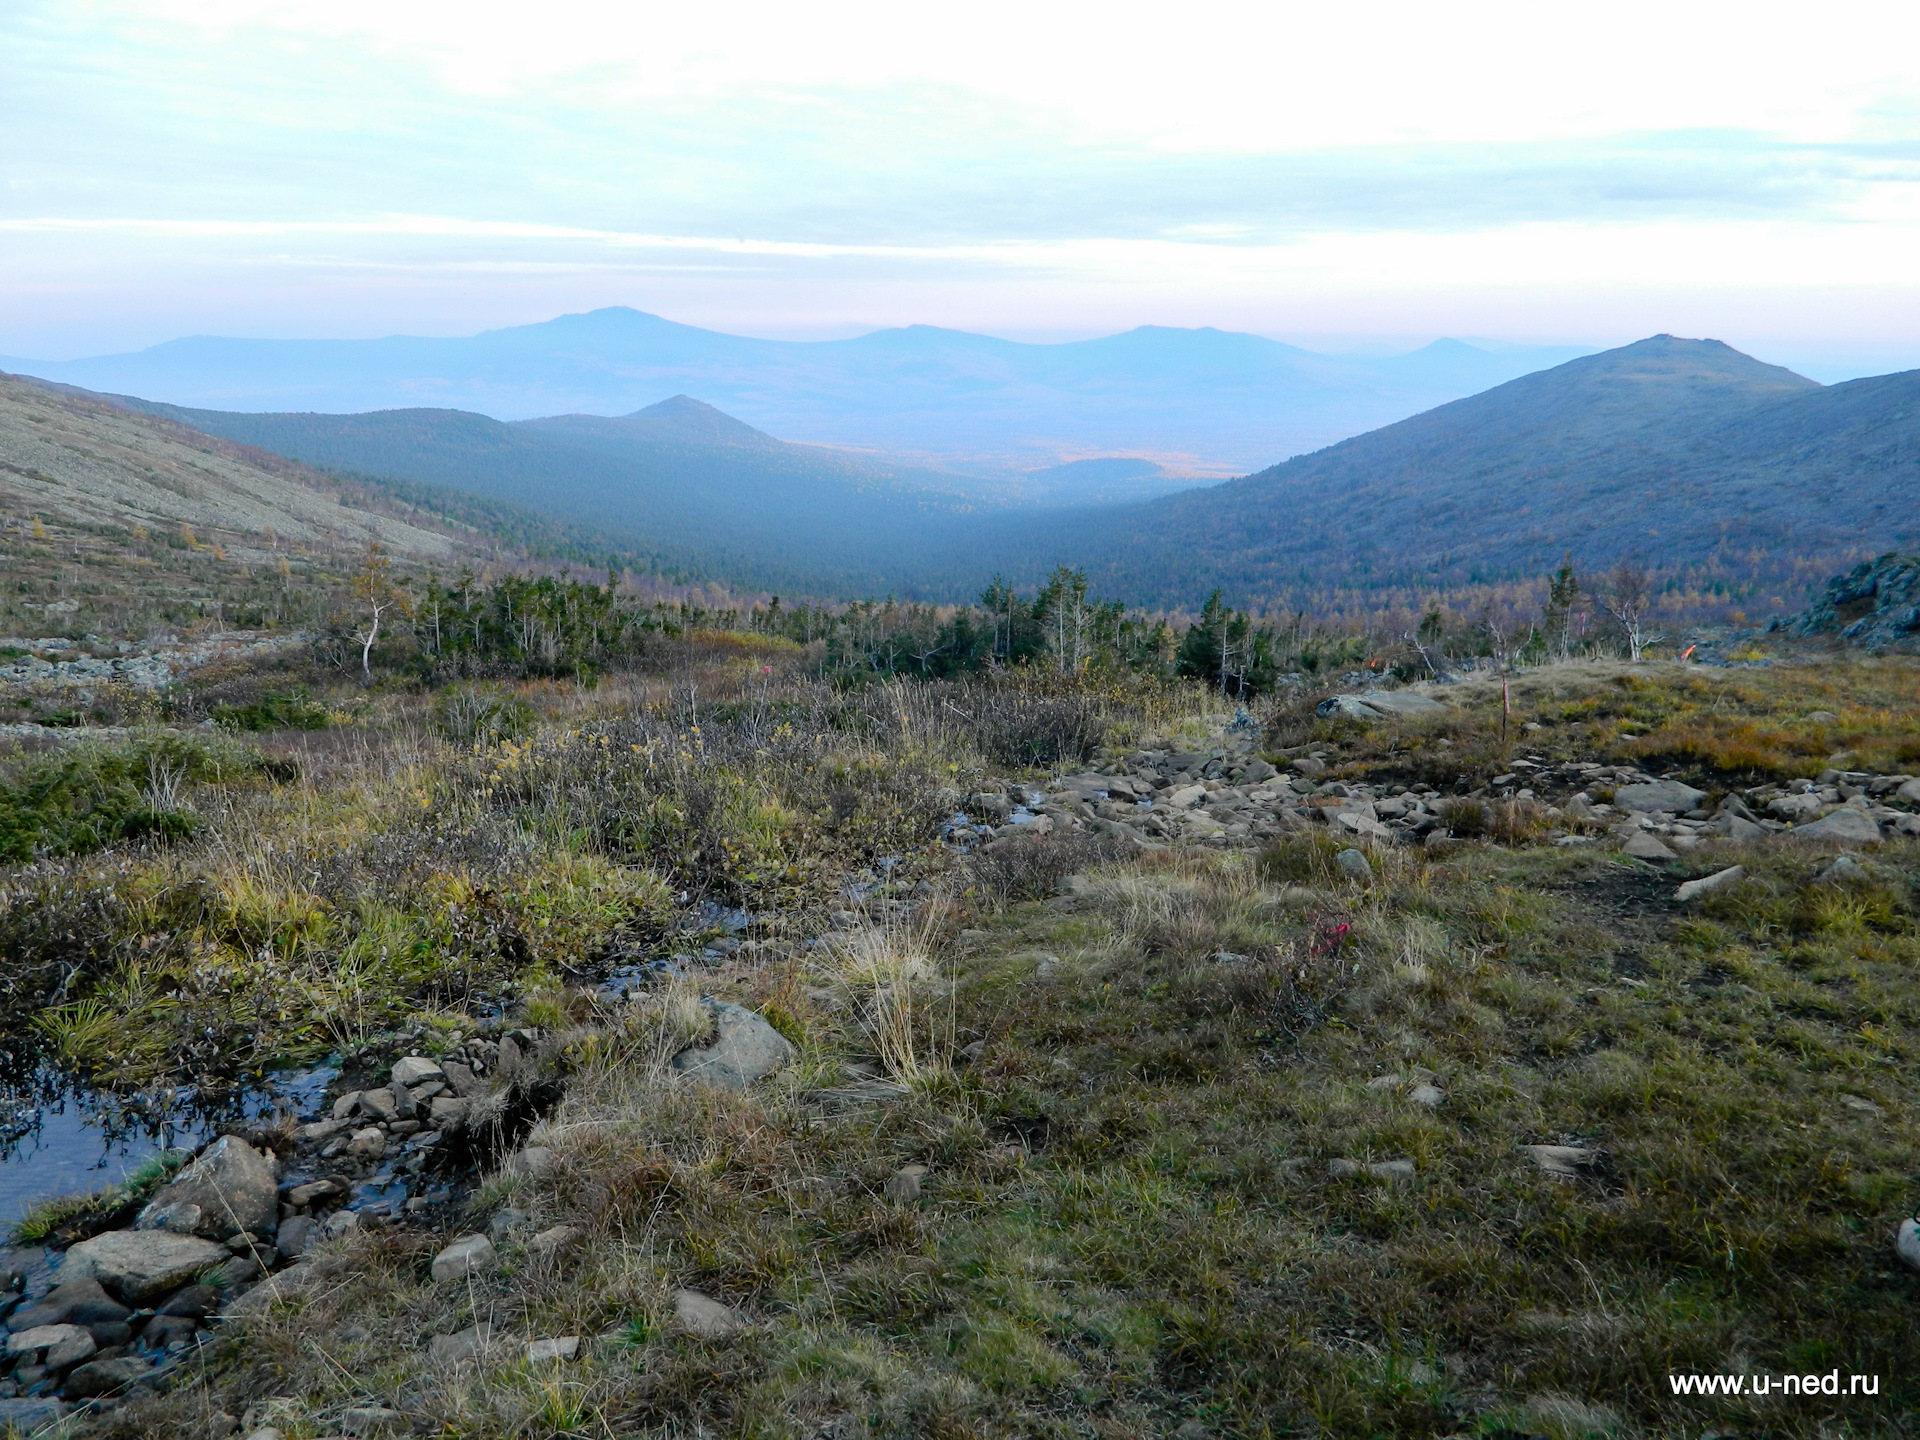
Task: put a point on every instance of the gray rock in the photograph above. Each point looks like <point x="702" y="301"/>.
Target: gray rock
<point x="547" y="1352"/>
<point x="557" y="1241"/>
<point x="1795" y="808"/>
<point x="77" y="1302"/>
<point x="1354" y="865"/>
<point x="141" y="1265"/>
<point x="1909" y="792"/>
<point x="532" y="1162"/>
<point x="381" y="1104"/>
<point x="744" y="1049"/>
<point x="469" y="1255"/>
<point x="1875" y="605"/>
<point x="71" y="1350"/>
<point x="1428" y="1095"/>
<point x="1711" y="884"/>
<point x="461" y="1078"/>
<point x="296" y="1233"/>
<point x="1642" y="846"/>
<point x="1906" y="1244"/>
<point x="1735" y="827"/>
<point x="43" y="1337"/>
<point x="233" y="1186"/>
<point x="1347" y="707"/>
<point x="1402" y="702"/>
<point x="1395" y="1172"/>
<point x="294" y="1281"/>
<point x="29" y="1416"/>
<point x="415" y="1070"/>
<point x="1186" y="797"/>
<point x="903" y="1186"/>
<point x="97" y="1378"/>
<point x="1845" y="825"/>
<point x="703" y="1316"/>
<point x="1561" y="1161"/>
<point x="462" y="1348"/>
<point x="367" y="1144"/>
<point x="1659" y="797"/>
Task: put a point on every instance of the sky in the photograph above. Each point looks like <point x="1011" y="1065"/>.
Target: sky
<point x="1356" y="176"/>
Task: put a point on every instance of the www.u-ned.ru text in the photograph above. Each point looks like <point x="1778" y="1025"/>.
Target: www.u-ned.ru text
<point x="1832" y="1383"/>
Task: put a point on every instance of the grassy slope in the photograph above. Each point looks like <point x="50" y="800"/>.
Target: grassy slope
<point x="1128" y="1220"/>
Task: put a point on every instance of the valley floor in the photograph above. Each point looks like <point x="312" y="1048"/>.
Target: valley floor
<point x="1323" y="1074"/>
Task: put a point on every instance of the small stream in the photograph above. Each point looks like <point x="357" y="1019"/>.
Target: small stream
<point x="60" y="1137"/>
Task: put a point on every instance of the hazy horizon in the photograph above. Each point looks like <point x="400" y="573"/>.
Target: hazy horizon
<point x="1333" y="180"/>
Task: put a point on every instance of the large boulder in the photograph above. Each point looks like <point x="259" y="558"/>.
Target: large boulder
<point x="1659" y="797"/>
<point x="141" y="1265"/>
<point x="228" y="1189"/>
<point x="1846" y="825"/>
<point x="743" y="1049"/>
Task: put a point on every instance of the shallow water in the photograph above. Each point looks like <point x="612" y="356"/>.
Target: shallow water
<point x="60" y="1138"/>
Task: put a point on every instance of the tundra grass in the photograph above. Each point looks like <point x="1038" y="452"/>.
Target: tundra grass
<point x="1131" y="1216"/>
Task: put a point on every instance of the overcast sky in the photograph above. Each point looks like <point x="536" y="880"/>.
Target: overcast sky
<point x="1335" y="175"/>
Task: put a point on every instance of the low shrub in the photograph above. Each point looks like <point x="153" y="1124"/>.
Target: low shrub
<point x="469" y="717"/>
<point x="90" y="796"/>
<point x="276" y="710"/>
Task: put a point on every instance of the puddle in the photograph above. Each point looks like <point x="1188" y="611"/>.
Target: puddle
<point x="57" y="1138"/>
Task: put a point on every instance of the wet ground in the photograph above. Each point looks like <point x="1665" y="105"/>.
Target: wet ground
<point x="58" y="1137"/>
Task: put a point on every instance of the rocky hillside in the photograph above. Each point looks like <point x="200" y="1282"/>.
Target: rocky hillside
<point x="1734" y="477"/>
<point x="71" y="458"/>
<point x="1875" y="605"/>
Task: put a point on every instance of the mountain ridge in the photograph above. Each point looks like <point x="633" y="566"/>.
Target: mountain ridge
<point x="1208" y="401"/>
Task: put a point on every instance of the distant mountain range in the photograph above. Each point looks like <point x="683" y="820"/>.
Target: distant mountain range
<point x="1206" y="403"/>
<point x="1743" y="484"/>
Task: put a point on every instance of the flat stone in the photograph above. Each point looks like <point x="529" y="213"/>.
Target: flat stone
<point x="1186" y="797"/>
<point x="1642" y="846"/>
<point x="703" y="1316"/>
<point x="1846" y="825"/>
<point x="546" y="1352"/>
<point x="1659" y="797"/>
<point x="1402" y="702"/>
<point x="42" y="1337"/>
<point x="141" y="1265"/>
<point x="1397" y="1172"/>
<point x="234" y="1187"/>
<point x="106" y="1377"/>
<point x="1562" y="1161"/>
<point x="415" y="1069"/>
<point x="744" y="1048"/>
<point x="1711" y="884"/>
<point x="1347" y="707"/>
<point x="461" y="1348"/>
<point x="290" y="1283"/>
<point x="468" y="1255"/>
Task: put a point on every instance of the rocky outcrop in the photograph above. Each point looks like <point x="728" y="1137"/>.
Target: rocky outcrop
<point x="1875" y="605"/>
